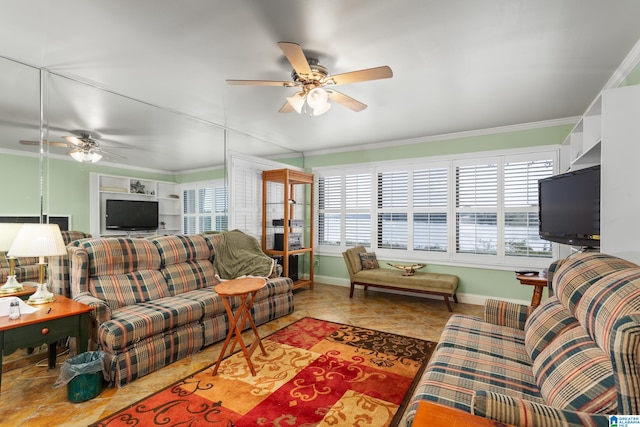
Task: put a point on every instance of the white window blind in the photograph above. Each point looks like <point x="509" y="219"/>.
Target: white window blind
<point x="357" y="190"/>
<point x="329" y="210"/>
<point x="393" y="201"/>
<point x="471" y="209"/>
<point x="430" y="203"/>
<point x="204" y="207"/>
<point x="477" y="209"/>
<point x="521" y="222"/>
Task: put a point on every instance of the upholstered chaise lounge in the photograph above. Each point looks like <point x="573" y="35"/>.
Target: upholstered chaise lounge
<point x="571" y="362"/>
<point x="444" y="285"/>
<point x="154" y="301"/>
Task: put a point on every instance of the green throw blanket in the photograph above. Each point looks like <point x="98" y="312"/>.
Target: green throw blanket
<point x="238" y="254"/>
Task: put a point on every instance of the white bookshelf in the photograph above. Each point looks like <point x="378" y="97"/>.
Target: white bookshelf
<point x="105" y="187"/>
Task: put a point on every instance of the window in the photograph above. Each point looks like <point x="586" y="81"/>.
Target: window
<point x="204" y="207"/>
<point x="482" y="209"/>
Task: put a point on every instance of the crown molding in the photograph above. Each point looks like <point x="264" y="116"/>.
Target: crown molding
<point x="626" y="67"/>
<point x="448" y="136"/>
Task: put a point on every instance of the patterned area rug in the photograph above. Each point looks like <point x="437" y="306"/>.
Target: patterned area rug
<point x="316" y="373"/>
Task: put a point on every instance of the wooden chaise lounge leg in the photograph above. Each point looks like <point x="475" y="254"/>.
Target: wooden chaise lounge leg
<point x="351" y="290"/>
<point x="455" y="298"/>
<point x="446" y="301"/>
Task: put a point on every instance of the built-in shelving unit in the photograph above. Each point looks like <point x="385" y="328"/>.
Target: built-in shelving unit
<point x="582" y="147"/>
<point x="167" y="194"/>
<point x="287" y="226"/>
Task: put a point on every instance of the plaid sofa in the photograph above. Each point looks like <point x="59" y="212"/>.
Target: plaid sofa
<point x="570" y="362"/>
<point x="154" y="301"/>
<point x="26" y="268"/>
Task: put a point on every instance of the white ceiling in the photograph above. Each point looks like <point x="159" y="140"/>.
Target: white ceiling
<point x="458" y="65"/>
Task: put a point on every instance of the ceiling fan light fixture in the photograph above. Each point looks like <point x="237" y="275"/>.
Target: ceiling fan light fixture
<point x="317" y="98"/>
<point x="296" y="101"/>
<point x="322" y="109"/>
<point x="86" y="156"/>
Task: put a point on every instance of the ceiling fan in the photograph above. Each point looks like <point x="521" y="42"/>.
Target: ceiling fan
<point x="316" y="84"/>
<point x="85" y="147"/>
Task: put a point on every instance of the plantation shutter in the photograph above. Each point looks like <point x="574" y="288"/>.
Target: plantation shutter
<point x="221" y="208"/>
<point x="189" y="211"/>
<point x="476" y="209"/>
<point x="392" y="209"/>
<point x="430" y="199"/>
<point x="521" y="234"/>
<point x="329" y="210"/>
<point x="357" y="189"/>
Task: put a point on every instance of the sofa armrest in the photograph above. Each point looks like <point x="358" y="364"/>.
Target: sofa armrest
<point x="524" y="413"/>
<point x="101" y="310"/>
<point x="506" y="313"/>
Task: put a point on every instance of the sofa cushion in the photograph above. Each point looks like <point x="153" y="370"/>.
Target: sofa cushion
<point x="188" y="276"/>
<point x="472" y="334"/>
<point x="578" y="272"/>
<point x="575" y="374"/>
<point x="208" y="299"/>
<point x="178" y="248"/>
<point x="454" y="374"/>
<point x="119" y="290"/>
<point x="133" y="323"/>
<point x="546" y="323"/>
<point x="110" y="256"/>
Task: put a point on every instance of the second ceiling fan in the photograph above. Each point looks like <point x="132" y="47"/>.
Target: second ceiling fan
<point x="85" y="147"/>
<point x="315" y="83"/>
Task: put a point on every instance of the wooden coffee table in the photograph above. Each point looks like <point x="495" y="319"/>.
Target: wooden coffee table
<point x="431" y="414"/>
<point x="56" y="320"/>
<point x="246" y="289"/>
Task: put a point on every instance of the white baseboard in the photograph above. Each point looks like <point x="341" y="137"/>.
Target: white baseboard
<point x="462" y="297"/>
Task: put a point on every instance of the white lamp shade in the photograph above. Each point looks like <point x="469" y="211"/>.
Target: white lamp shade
<point x="296" y="101"/>
<point x="8" y="233"/>
<point x="38" y="240"/>
<point x="317" y="98"/>
<point x="86" y="156"/>
<point x="322" y="109"/>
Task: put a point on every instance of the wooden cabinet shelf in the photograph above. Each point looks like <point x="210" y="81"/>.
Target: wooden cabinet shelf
<point x="287" y="222"/>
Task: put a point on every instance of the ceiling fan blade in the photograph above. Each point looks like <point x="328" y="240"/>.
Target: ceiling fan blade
<point x="286" y="108"/>
<point x="347" y="101"/>
<point x="296" y="57"/>
<point x="52" y="143"/>
<point x="377" y="73"/>
<point x="260" y="83"/>
<point x="74" y="140"/>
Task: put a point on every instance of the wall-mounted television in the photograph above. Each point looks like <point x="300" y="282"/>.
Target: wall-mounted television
<point x="131" y="215"/>
<point x="570" y="207"/>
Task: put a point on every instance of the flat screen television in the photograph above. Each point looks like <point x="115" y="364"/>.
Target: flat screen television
<point x="570" y="207"/>
<point x="131" y="215"/>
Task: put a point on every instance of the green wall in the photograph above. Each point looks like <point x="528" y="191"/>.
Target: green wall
<point x="66" y="185"/>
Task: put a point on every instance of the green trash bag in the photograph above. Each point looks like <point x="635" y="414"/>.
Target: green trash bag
<point x="83" y="376"/>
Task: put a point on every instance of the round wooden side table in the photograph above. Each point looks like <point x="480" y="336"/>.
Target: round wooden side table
<point x="246" y="289"/>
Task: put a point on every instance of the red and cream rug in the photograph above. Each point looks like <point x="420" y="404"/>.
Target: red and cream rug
<point x="316" y="373"/>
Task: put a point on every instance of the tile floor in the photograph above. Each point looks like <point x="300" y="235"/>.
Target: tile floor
<point x="28" y="399"/>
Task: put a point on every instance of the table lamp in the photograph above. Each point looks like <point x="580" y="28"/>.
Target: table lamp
<point x="8" y="232"/>
<point x="39" y="240"/>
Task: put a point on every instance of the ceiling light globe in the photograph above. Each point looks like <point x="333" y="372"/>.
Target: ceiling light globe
<point x="322" y="109"/>
<point x="296" y="101"/>
<point x="317" y="98"/>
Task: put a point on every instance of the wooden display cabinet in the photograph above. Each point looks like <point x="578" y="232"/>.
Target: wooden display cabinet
<point x="287" y="222"/>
